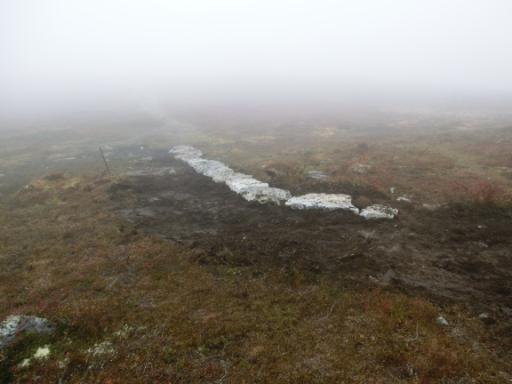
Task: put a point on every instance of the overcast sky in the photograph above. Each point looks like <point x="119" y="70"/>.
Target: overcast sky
<point x="55" y="51"/>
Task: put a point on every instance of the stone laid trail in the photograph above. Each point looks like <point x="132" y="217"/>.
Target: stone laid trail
<point x="252" y="189"/>
<point x="244" y="185"/>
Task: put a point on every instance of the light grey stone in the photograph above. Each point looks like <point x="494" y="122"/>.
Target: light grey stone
<point x="322" y="201"/>
<point x="378" y="211"/>
<point x="15" y="324"/>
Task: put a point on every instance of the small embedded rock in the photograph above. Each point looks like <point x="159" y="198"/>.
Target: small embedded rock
<point x="486" y="318"/>
<point x="442" y="321"/>
<point x="431" y="207"/>
<point x="404" y="199"/>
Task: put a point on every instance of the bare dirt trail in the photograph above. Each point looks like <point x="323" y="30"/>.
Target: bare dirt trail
<point x="458" y="253"/>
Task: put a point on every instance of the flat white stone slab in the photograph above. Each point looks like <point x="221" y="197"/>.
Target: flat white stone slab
<point x="240" y="182"/>
<point x="322" y="201"/>
<point x="211" y="168"/>
<point x="378" y="211"/>
<point x="246" y="186"/>
<point x="263" y="194"/>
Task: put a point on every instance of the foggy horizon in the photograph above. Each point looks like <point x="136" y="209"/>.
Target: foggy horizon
<point x="60" y="57"/>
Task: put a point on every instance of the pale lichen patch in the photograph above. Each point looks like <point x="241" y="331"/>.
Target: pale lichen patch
<point x="42" y="353"/>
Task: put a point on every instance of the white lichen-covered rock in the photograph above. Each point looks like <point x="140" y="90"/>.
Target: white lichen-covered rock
<point x="215" y="170"/>
<point x="185" y="151"/>
<point x="378" y="211"/>
<point x="270" y="194"/>
<point x="245" y="185"/>
<point x="322" y="201"/>
<point x="240" y="182"/>
<point x="265" y="194"/>
<point x="13" y="325"/>
<point x="252" y="189"/>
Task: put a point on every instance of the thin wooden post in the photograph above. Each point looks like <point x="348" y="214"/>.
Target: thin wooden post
<point x="105" y="161"/>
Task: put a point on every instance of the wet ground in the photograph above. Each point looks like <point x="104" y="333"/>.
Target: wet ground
<point x="460" y="253"/>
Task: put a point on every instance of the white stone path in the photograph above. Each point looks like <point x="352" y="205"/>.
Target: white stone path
<point x="254" y="190"/>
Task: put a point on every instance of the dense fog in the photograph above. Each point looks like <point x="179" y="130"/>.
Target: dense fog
<point x="96" y="56"/>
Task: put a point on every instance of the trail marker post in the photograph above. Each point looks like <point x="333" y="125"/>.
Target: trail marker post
<point x="105" y="161"/>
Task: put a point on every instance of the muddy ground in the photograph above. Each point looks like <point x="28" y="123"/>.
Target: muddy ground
<point x="458" y="253"/>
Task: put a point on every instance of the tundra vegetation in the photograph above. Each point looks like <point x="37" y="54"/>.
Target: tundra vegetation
<point x="131" y="301"/>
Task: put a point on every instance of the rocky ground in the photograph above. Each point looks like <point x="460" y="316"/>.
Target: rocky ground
<point x="459" y="252"/>
<point x="155" y="273"/>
